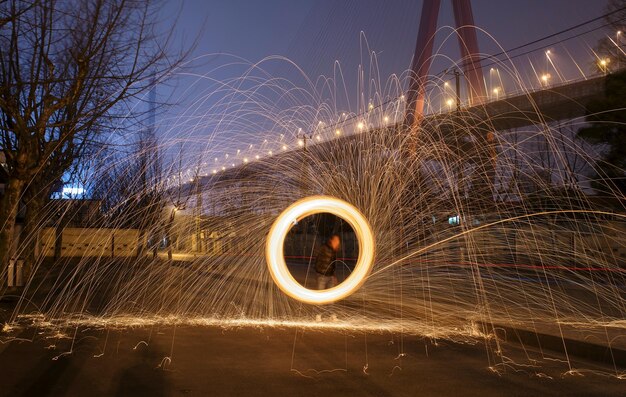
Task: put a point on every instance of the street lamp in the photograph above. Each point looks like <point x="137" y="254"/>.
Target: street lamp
<point x="545" y="78"/>
<point x="457" y="83"/>
<point x="604" y="64"/>
<point x="496" y="92"/>
<point x="302" y="139"/>
<point x="618" y="44"/>
<point x="550" y="62"/>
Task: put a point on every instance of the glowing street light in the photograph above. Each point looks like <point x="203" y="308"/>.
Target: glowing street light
<point x="360" y="125"/>
<point x="604" y="64"/>
<point x="496" y="92"/>
<point x="618" y="44"/>
<point x="337" y="132"/>
<point x="450" y="102"/>
<point x="545" y="78"/>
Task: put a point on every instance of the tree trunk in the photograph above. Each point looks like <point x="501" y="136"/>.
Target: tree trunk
<point x="8" y="213"/>
<point x="33" y="223"/>
<point x="169" y="234"/>
<point x="141" y="235"/>
<point x="62" y="222"/>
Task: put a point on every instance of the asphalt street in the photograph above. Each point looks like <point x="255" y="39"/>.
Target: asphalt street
<point x="269" y="361"/>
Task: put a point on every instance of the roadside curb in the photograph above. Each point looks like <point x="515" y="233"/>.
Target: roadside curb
<point x="614" y="357"/>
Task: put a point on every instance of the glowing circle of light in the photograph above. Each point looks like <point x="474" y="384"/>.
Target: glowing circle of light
<point x="299" y="210"/>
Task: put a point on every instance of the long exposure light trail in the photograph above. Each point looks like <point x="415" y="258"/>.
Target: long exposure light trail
<point x="296" y="212"/>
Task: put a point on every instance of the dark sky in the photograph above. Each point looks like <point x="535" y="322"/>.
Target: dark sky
<point x="313" y="34"/>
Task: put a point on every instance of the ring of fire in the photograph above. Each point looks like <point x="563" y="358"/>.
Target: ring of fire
<point x="275" y="258"/>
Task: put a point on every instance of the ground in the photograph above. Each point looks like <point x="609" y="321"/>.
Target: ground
<point x="269" y="361"/>
<point x="168" y="360"/>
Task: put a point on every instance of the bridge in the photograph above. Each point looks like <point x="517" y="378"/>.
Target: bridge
<point x="561" y="102"/>
<point x="526" y="108"/>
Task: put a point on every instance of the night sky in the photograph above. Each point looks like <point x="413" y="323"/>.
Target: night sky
<point x="315" y="34"/>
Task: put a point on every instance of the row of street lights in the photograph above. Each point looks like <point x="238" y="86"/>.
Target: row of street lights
<point x="544" y="78"/>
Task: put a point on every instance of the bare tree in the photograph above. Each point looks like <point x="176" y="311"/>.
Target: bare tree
<point x="610" y="48"/>
<point x="131" y="189"/>
<point x="178" y="195"/>
<point x="68" y="71"/>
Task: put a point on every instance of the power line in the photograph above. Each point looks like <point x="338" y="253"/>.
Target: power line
<point x="561" y="32"/>
<point x="493" y="58"/>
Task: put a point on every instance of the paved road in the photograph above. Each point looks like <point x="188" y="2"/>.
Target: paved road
<point x="212" y="361"/>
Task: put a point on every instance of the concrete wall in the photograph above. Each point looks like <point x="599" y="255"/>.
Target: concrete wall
<point x="603" y="243"/>
<point x="542" y="244"/>
<point x="81" y="242"/>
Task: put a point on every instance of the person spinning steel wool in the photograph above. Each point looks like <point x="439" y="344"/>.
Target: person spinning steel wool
<point x="325" y="263"/>
<point x="325" y="267"/>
